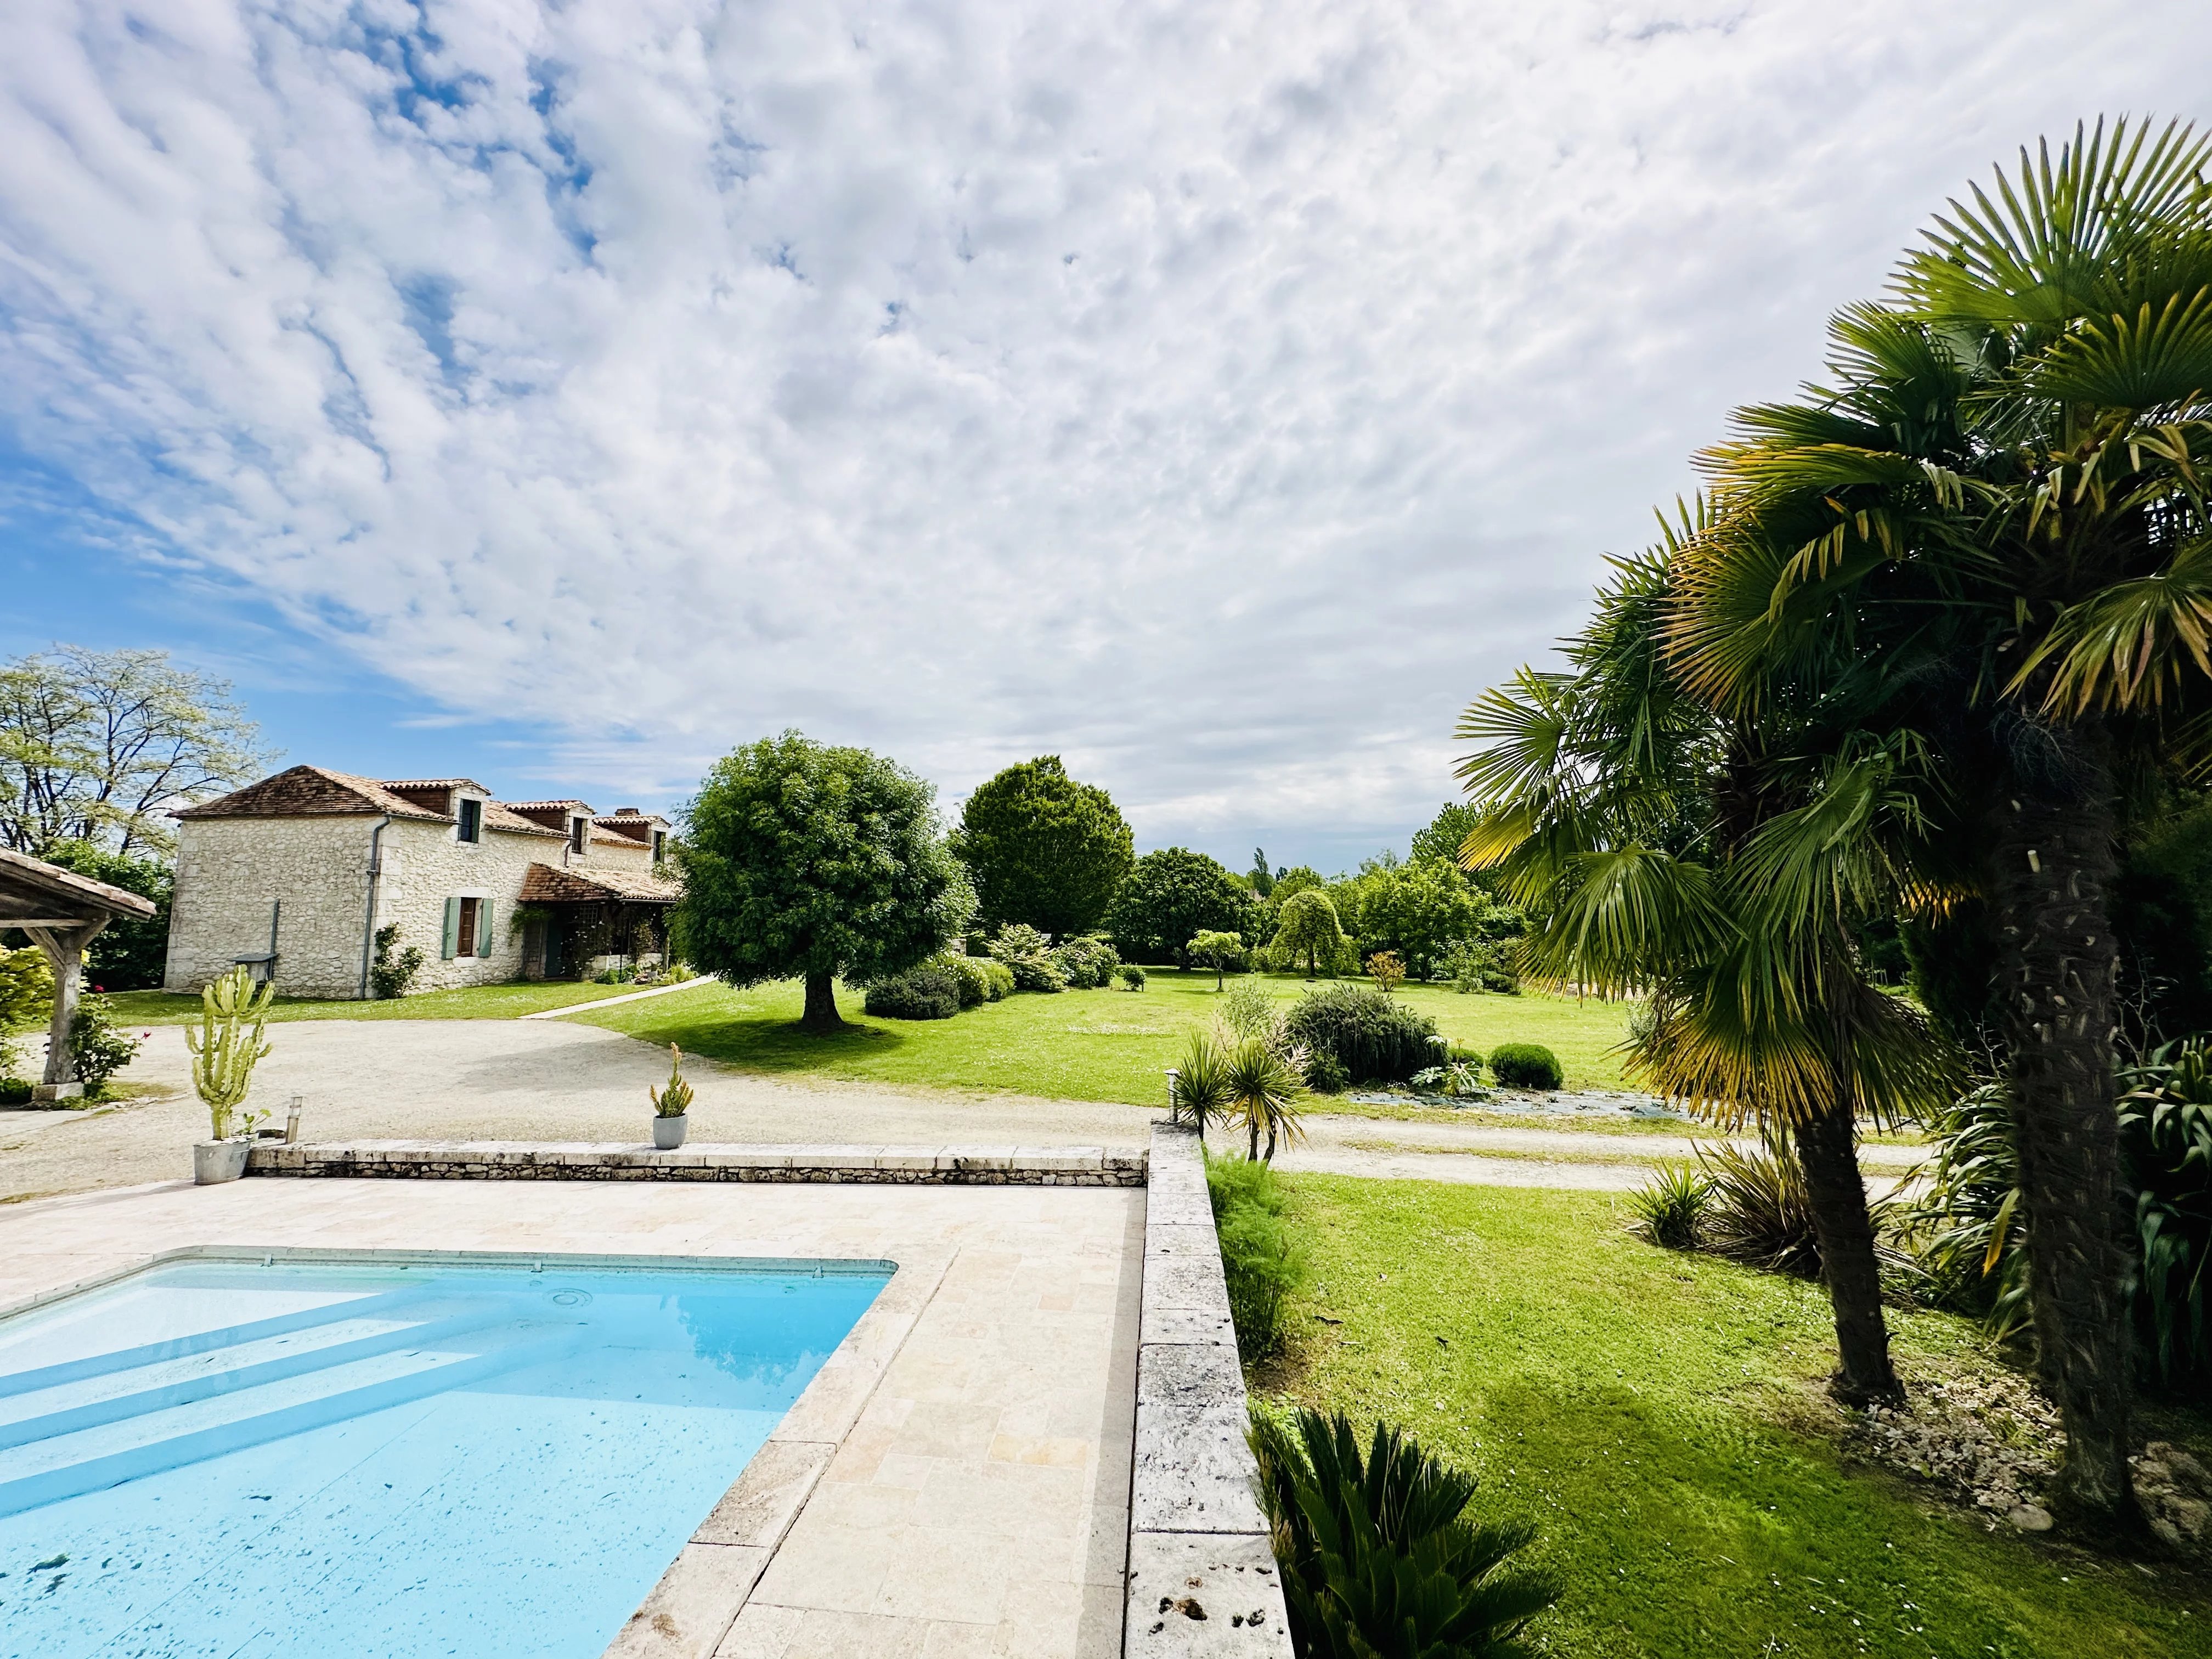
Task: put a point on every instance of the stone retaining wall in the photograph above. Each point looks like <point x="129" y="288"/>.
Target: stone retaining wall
<point x="518" y="1160"/>
<point x="1202" y="1578"/>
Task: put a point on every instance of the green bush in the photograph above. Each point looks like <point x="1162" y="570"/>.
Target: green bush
<point x="971" y="979"/>
<point x="1132" y="976"/>
<point x="1525" y="1066"/>
<point x="1480" y="965"/>
<point x="1372" y="1036"/>
<point x="1325" y="1073"/>
<point x="929" y="992"/>
<point x="1670" y="1207"/>
<point x="1086" y="963"/>
<point x="97" y="1049"/>
<point x="2166" y="1145"/>
<point x="1259" y="1257"/>
<point x="1378" y="1558"/>
<point x="1026" y="955"/>
<point x="392" y="973"/>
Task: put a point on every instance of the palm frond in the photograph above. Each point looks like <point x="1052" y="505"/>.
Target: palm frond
<point x="2150" y="361"/>
<point x="2130" y="643"/>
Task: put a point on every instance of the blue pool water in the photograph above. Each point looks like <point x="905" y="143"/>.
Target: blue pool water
<point x="384" y="1458"/>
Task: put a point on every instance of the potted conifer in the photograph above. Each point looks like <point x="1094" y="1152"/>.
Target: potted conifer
<point x="225" y="1048"/>
<point x="671" y="1106"/>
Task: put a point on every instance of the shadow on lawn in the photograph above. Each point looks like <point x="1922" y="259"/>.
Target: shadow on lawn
<point x="768" y="1043"/>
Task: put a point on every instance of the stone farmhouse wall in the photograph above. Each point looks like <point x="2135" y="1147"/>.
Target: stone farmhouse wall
<point x="231" y="872"/>
<point x="426" y="863"/>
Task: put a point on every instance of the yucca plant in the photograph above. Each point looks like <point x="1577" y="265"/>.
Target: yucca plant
<point x="1759" y="1213"/>
<point x="1264" y="1085"/>
<point x="1670" y="1207"/>
<point x="1198" y="1092"/>
<point x="226" y="1045"/>
<point x="1378" y="1558"/>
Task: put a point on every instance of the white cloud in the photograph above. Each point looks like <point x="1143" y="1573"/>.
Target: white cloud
<point x="1220" y="395"/>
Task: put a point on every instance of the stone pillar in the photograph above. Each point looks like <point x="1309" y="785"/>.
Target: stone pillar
<point x="64" y="948"/>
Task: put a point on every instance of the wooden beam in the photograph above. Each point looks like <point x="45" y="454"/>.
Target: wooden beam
<point x="64" y="949"/>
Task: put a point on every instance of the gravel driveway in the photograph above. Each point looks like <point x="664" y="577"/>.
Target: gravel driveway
<point x="552" y="1080"/>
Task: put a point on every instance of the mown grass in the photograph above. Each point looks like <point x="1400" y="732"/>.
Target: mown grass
<point x="1659" y="1418"/>
<point x="507" y="1001"/>
<point x="1111" y="1045"/>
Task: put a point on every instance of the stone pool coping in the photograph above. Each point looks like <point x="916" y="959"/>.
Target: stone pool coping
<point x="582" y="1160"/>
<point x="1202" y="1578"/>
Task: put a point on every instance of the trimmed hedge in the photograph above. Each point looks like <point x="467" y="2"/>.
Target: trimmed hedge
<point x="929" y="992"/>
<point x="1525" y="1066"/>
<point x="1374" y="1037"/>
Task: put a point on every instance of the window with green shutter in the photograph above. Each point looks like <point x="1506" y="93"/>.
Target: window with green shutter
<point x="483" y="928"/>
<point x="452" y="945"/>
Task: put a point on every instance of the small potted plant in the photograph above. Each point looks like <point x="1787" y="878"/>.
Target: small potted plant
<point x="225" y="1048"/>
<point x="671" y="1105"/>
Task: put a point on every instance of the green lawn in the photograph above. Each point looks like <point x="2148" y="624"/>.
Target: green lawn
<point x="1079" y="1045"/>
<point x="508" y="1001"/>
<point x="1659" y="1418"/>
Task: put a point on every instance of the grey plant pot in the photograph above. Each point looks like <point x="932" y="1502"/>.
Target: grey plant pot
<point x="214" y="1161"/>
<point x="668" y="1133"/>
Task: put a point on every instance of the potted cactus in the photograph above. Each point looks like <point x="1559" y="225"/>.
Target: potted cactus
<point x="225" y="1048"/>
<point x="671" y="1105"/>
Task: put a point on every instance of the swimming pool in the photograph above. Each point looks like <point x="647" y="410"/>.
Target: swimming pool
<point x="387" y="1456"/>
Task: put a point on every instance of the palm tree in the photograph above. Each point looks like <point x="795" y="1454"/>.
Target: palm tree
<point x="1720" y="865"/>
<point x="1993" y="530"/>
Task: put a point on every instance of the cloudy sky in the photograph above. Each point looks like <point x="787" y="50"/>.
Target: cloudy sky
<point x="1218" y="395"/>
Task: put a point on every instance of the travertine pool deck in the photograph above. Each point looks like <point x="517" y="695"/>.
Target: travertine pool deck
<point x="974" y="1491"/>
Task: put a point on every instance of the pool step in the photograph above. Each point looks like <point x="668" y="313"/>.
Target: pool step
<point x="176" y="1423"/>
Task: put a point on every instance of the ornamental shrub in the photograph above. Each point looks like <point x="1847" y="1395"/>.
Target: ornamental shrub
<point x="1132" y="976"/>
<point x="97" y="1049"/>
<point x="1325" y="1073"/>
<point x="1525" y="1066"/>
<point x="1087" y="963"/>
<point x="971" y="978"/>
<point x="929" y="992"/>
<point x="1026" y="953"/>
<point x="1372" y="1036"/>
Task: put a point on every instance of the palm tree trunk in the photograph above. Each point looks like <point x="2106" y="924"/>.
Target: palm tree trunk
<point x="821" y="1013"/>
<point x="2051" y="863"/>
<point x="1828" y="1154"/>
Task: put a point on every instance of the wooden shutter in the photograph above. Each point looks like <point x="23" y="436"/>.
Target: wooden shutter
<point x="451" y="946"/>
<point x="483" y="927"/>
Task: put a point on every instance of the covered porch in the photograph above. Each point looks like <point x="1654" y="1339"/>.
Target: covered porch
<point x="60" y="912"/>
<point x="575" y="917"/>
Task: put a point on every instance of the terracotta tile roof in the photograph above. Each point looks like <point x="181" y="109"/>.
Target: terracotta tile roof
<point x="583" y="806"/>
<point x="31" y="888"/>
<point x="508" y="822"/>
<point x="302" y="792"/>
<point x="542" y="885"/>
<point x="403" y="784"/>
<point x="632" y="828"/>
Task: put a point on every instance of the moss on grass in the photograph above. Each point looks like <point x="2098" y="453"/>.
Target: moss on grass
<point x="1660" y="1417"/>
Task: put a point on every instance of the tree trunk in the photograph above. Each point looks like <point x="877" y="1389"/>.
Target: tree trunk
<point x="821" y="1013"/>
<point x="1827" y="1154"/>
<point x="2051" y="861"/>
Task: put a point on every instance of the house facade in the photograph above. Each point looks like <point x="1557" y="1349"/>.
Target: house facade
<point x="295" y="875"/>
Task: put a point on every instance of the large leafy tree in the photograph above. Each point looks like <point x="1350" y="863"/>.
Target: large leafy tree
<point x="131" y="952"/>
<point x="1722" y="867"/>
<point x="1172" y="897"/>
<point x="1997" y="517"/>
<point x="1043" y="848"/>
<point x="804" y="860"/>
<point x="96" y="746"/>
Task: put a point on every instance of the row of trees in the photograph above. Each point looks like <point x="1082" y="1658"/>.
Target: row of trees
<point x="1932" y="642"/>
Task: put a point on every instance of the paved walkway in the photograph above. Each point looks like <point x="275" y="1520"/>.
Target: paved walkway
<point x="557" y="1080"/>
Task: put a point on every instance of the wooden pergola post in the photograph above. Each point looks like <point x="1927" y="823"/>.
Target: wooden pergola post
<point x="64" y="948"/>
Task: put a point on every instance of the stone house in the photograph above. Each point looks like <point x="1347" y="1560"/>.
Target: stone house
<point x="295" y="875"/>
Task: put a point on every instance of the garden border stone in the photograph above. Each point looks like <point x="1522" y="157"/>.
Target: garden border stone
<point x="1202" y="1578"/>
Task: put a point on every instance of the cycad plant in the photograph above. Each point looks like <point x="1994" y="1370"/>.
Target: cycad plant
<point x="227" y="1044"/>
<point x="1379" y="1559"/>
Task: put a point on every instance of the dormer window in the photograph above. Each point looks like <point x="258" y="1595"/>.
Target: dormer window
<point x="578" y="829"/>
<point x="468" y="824"/>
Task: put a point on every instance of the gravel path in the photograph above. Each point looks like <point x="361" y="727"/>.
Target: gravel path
<point x="554" y="1081"/>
